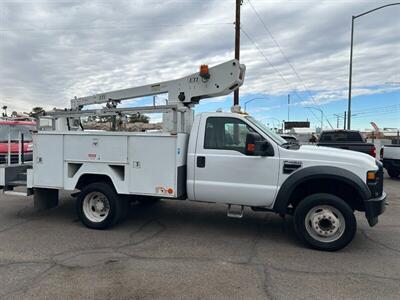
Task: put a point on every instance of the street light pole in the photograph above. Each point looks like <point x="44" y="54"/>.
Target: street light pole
<point x="351" y="56"/>
<point x="337" y="120"/>
<point x="248" y="101"/>
<point x="351" y="73"/>
<point x="272" y="118"/>
<point x="322" y="115"/>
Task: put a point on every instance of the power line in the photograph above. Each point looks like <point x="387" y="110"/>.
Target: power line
<point x="276" y="70"/>
<point x="280" y="49"/>
<point x="271" y="64"/>
<point x="375" y="110"/>
<point x="307" y="89"/>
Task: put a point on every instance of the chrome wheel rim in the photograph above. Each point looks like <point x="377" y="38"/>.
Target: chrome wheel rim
<point x="96" y="207"/>
<point x="325" y="223"/>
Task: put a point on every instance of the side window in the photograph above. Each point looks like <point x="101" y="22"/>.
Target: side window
<point x="220" y="134"/>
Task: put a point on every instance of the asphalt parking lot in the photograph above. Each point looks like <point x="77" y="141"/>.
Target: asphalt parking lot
<point x="190" y="251"/>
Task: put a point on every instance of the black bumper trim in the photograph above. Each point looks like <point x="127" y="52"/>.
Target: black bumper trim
<point x="373" y="208"/>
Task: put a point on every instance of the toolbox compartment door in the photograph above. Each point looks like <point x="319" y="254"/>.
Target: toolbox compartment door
<point x="48" y="161"/>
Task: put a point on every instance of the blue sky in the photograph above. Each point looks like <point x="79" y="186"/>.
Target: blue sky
<point x="382" y="108"/>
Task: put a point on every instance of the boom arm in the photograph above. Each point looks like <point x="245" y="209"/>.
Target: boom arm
<point x="220" y="80"/>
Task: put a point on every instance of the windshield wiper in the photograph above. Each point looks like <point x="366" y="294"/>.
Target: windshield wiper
<point x="288" y="145"/>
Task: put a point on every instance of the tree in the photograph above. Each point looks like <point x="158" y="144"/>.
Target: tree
<point x="139" y="118"/>
<point x="4" y="108"/>
<point x="35" y="111"/>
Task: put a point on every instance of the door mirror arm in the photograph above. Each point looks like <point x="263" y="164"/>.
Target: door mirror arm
<point x="263" y="148"/>
<point x="257" y="146"/>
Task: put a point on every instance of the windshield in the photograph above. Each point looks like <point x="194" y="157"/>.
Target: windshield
<point x="276" y="137"/>
<point x="14" y="131"/>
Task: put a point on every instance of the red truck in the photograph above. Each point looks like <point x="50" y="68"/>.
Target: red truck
<point x="10" y="129"/>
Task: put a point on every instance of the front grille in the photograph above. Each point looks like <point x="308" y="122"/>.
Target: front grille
<point x="380" y="180"/>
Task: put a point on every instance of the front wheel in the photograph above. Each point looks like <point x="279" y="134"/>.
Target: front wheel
<point x="325" y="222"/>
<point x="99" y="206"/>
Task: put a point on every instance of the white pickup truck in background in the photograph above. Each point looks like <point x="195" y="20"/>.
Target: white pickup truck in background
<point x="215" y="157"/>
<point x="390" y="156"/>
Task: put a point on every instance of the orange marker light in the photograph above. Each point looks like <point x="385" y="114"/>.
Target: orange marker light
<point x="170" y="191"/>
<point x="371" y="175"/>
<point x="203" y="69"/>
<point x="251" y="147"/>
<point x="204" y="72"/>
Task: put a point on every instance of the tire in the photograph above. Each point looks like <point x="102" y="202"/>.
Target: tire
<point x="99" y="207"/>
<point x="316" y="221"/>
<point x="393" y="173"/>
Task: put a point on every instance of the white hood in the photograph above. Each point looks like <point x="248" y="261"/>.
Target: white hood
<point x="310" y="155"/>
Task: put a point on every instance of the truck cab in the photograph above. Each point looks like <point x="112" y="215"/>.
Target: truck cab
<point x="235" y="159"/>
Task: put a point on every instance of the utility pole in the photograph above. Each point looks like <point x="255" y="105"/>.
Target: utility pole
<point x="344" y="127"/>
<point x="237" y="45"/>
<point x="288" y="107"/>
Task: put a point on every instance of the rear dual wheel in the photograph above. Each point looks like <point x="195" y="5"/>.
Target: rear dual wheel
<point x="99" y="206"/>
<point x="325" y="222"/>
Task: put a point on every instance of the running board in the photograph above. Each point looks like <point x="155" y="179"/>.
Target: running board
<point x="235" y="214"/>
<point x="14" y="193"/>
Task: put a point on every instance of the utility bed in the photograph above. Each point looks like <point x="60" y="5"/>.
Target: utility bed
<point x="137" y="163"/>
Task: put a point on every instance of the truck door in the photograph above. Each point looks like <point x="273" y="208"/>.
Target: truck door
<point x="224" y="173"/>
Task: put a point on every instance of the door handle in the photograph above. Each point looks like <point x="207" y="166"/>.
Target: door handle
<point x="201" y="161"/>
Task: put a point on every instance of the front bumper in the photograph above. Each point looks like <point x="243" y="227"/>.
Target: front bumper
<point x="374" y="207"/>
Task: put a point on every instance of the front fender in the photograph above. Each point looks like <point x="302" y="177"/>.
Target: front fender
<point x="317" y="172"/>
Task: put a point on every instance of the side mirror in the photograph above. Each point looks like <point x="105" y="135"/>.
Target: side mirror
<point x="256" y="146"/>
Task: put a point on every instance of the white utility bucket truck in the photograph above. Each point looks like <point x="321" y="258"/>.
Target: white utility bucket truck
<point x="217" y="157"/>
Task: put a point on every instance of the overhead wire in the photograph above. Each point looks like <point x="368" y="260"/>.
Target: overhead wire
<point x="306" y="88"/>
<point x="375" y="110"/>
<point x="274" y="68"/>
